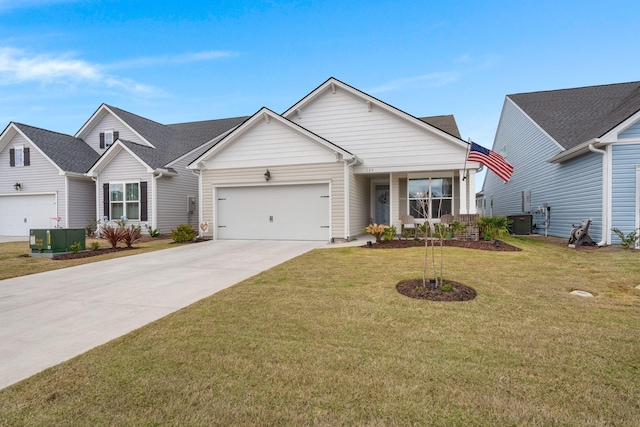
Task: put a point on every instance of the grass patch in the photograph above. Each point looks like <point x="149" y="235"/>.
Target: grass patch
<point x="326" y="340"/>
<point x="14" y="263"/>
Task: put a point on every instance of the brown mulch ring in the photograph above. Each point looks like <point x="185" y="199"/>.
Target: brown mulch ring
<point x="88" y="254"/>
<point x="469" y="244"/>
<point x="413" y="289"/>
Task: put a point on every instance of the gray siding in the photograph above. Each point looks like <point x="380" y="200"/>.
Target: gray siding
<point x="106" y="123"/>
<point x="573" y="189"/>
<point x="173" y="193"/>
<point x="125" y="168"/>
<point x="632" y="132"/>
<point x="82" y="201"/>
<point x="40" y="177"/>
<point x="623" y="188"/>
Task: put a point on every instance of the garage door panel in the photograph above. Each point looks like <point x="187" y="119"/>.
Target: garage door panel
<point x="288" y="212"/>
<point x="20" y="213"/>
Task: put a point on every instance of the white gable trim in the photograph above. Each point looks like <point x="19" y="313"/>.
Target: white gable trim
<point x="111" y="154"/>
<point x="98" y="115"/>
<point x="369" y="102"/>
<point x="213" y="141"/>
<point x="265" y="115"/>
<point x="612" y="135"/>
<point x="11" y="131"/>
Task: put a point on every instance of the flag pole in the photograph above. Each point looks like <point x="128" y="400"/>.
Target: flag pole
<point x="465" y="160"/>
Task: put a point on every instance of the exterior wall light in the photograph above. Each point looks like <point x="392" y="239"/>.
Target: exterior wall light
<point x="17" y="186"/>
<point x="267" y="175"/>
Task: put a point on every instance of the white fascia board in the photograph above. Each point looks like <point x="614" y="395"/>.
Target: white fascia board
<point x="110" y="154"/>
<point x="576" y="151"/>
<point x="333" y="84"/>
<point x="7" y="135"/>
<point x="264" y="114"/>
<point x="17" y="129"/>
<point x="99" y="114"/>
<point x="417" y="167"/>
<point x="612" y="135"/>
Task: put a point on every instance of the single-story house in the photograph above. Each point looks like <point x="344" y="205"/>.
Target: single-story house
<point x="42" y="180"/>
<point x="576" y="156"/>
<point x="331" y="164"/>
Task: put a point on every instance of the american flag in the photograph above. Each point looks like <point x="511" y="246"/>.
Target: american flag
<point x="494" y="161"/>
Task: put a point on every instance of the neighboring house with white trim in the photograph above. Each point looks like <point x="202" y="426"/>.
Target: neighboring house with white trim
<point x="332" y="163"/>
<point x="42" y="180"/>
<point x="142" y="173"/>
<point x="576" y="155"/>
<point x="118" y="164"/>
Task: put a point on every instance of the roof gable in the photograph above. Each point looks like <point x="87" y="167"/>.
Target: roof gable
<point x="266" y="116"/>
<point x="574" y="116"/>
<point x="67" y="153"/>
<point x="333" y="84"/>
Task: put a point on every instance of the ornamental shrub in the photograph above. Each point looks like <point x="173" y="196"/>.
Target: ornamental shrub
<point x="183" y="233"/>
<point x="112" y="234"/>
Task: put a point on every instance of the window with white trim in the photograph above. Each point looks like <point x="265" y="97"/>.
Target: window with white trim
<point x="430" y="197"/>
<point x="19" y="156"/>
<point x="124" y="200"/>
<point x="108" y="138"/>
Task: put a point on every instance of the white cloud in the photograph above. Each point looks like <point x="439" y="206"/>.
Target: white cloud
<point x="17" y="66"/>
<point x="148" y="61"/>
<point x="432" y="80"/>
<point x="7" y="5"/>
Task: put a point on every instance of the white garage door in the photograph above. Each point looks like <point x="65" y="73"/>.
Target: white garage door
<point x="284" y="212"/>
<point x="20" y="213"/>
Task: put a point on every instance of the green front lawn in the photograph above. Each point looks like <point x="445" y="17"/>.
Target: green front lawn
<point x="326" y="340"/>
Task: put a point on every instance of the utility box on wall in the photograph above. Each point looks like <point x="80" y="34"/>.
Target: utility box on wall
<point x="521" y="224"/>
<point x="50" y="242"/>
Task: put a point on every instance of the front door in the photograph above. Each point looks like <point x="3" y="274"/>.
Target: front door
<point x="382" y="204"/>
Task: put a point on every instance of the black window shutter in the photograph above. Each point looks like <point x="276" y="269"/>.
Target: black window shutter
<point x="116" y="135"/>
<point x="143" y="201"/>
<point x="102" y="140"/>
<point x="105" y="198"/>
<point x="27" y="156"/>
<point x="12" y="157"/>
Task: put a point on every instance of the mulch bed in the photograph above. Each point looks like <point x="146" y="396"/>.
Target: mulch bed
<point x="413" y="289"/>
<point x="479" y="244"/>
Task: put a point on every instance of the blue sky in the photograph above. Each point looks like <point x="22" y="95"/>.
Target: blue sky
<point x="174" y="61"/>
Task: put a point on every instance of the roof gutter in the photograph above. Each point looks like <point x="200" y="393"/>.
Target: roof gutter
<point x="576" y="151"/>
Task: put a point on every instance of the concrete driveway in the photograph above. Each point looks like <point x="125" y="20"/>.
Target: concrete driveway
<point x="50" y="317"/>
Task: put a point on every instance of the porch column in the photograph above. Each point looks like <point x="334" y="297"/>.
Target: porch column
<point x="393" y="204"/>
<point x="463" y="193"/>
<point x="471" y="180"/>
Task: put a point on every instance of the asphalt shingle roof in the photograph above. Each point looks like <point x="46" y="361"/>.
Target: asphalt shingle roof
<point x="69" y="153"/>
<point x="174" y="140"/>
<point x="446" y="123"/>
<point x="574" y="116"/>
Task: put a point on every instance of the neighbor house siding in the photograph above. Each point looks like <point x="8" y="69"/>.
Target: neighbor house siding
<point x="359" y="208"/>
<point x="333" y="172"/>
<point x="39" y="177"/>
<point x="632" y="132"/>
<point x="173" y="194"/>
<point x="106" y="123"/>
<point x="625" y="157"/>
<point x="378" y="137"/>
<point x="572" y="189"/>
<point x="125" y="168"/>
<point x="82" y="201"/>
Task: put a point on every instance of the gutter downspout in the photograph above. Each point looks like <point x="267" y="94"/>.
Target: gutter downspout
<point x="154" y="197"/>
<point x="198" y="173"/>
<point x="347" y="211"/>
<point x="605" y="191"/>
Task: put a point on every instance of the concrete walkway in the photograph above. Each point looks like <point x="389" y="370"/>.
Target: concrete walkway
<point x="50" y="317"/>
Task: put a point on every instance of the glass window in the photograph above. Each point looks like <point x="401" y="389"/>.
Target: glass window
<point x="125" y="200"/>
<point x="19" y="156"/>
<point x="108" y="138"/>
<point x="430" y="197"/>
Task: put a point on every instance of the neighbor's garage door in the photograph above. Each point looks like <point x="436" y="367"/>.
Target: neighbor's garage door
<point x="284" y="212"/>
<point x="20" y="213"/>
